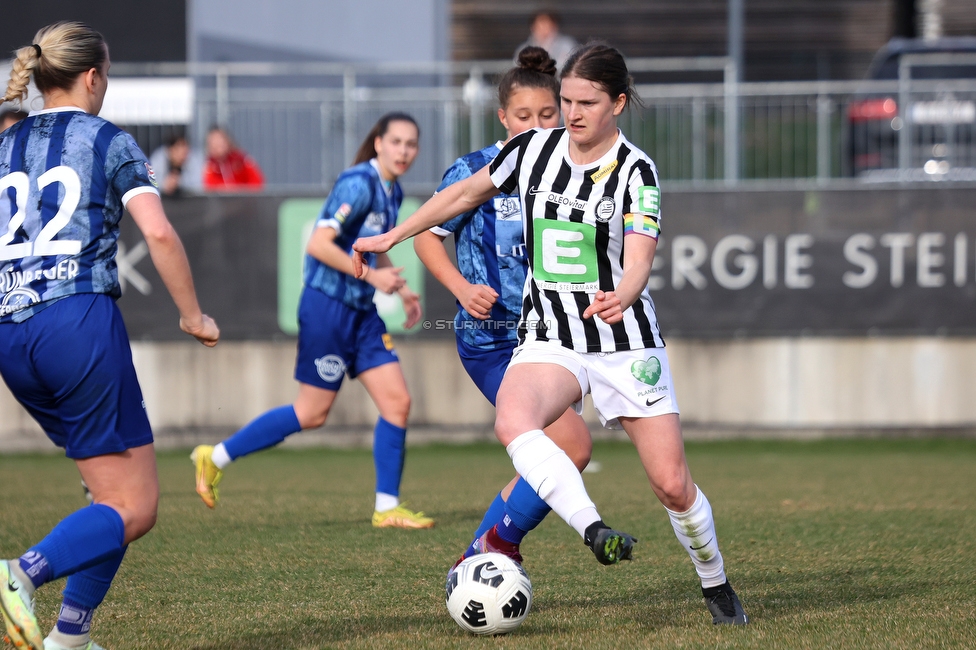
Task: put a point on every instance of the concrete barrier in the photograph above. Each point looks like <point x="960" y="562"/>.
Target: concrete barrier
<point x="767" y="387"/>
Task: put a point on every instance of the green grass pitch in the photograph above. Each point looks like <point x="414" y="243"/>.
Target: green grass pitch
<point x="839" y="544"/>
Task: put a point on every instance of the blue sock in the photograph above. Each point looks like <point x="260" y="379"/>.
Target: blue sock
<point x="524" y="507"/>
<point x="389" y="450"/>
<point x="84" y="592"/>
<point x="505" y="529"/>
<point x="508" y="531"/>
<point x="492" y="516"/>
<point x="83" y="539"/>
<point x="263" y="431"/>
<point x="74" y="618"/>
<point x="36" y="567"/>
<point x="522" y="512"/>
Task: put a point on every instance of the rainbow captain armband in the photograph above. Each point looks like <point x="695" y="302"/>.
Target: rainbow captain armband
<point x="641" y="224"/>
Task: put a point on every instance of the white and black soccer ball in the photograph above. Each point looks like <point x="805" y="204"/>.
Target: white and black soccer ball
<point x="489" y="594"/>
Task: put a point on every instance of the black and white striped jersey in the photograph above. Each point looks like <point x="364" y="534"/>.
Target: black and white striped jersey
<point x="574" y="222"/>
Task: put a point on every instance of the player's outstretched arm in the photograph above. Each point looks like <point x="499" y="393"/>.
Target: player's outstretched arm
<point x="453" y="200"/>
<point x="170" y="261"/>
<point x="321" y="245"/>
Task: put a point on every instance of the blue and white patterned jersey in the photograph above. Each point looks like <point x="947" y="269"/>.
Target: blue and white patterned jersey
<point x="65" y="177"/>
<point x="360" y="205"/>
<point x="490" y="251"/>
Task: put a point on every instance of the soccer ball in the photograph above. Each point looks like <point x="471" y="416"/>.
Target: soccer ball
<point x="489" y="594"/>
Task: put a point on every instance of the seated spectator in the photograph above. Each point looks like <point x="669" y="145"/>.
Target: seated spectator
<point x="11" y="117"/>
<point x="227" y="167"/>
<point x="178" y="168"/>
<point x="544" y="32"/>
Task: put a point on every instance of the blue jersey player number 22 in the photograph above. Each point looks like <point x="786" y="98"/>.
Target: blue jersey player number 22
<point x="66" y="178"/>
<point x="16" y="285"/>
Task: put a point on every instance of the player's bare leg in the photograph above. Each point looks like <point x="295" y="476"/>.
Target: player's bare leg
<point x="309" y="411"/>
<point x="662" y="452"/>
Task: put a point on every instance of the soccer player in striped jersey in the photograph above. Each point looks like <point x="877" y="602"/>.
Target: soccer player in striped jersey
<point x="488" y="284"/>
<point x="66" y="176"/>
<point x="591" y="207"/>
<point x="340" y="331"/>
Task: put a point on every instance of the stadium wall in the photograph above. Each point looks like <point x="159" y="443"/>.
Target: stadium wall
<point x="800" y="313"/>
<point x="758" y="388"/>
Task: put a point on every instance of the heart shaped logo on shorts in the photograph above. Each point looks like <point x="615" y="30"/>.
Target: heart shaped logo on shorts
<point x="647" y="371"/>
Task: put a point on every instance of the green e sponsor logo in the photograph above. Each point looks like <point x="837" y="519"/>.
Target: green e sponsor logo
<point x="565" y="252"/>
<point x="648" y="199"/>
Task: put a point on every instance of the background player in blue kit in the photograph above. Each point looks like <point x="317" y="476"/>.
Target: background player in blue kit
<point x="488" y="285"/>
<point x="65" y="178"/>
<point x="340" y="331"/>
<point x="591" y="205"/>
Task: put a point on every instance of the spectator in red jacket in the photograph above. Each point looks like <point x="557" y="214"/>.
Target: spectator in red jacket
<point x="229" y="168"/>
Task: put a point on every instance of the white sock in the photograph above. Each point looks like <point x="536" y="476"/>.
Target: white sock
<point x="554" y="478"/>
<point x="695" y="529"/>
<point x="220" y="457"/>
<point x="386" y="502"/>
<point x="582" y="520"/>
<point x="69" y="640"/>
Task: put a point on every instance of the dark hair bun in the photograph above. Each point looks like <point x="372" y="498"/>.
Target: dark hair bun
<point x="536" y="59"/>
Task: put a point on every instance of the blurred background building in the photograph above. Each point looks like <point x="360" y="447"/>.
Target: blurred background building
<point x="298" y="83"/>
<point x="784" y="40"/>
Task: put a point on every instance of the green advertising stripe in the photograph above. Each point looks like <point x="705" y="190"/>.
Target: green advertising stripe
<point x="296" y="220"/>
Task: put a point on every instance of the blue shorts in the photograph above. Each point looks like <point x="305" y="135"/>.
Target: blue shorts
<point x="334" y="340"/>
<point x="486" y="367"/>
<point x="70" y="366"/>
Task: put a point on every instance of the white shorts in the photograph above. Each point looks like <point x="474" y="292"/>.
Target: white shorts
<point x="632" y="384"/>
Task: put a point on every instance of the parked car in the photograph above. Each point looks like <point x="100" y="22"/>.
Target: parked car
<point x="940" y="118"/>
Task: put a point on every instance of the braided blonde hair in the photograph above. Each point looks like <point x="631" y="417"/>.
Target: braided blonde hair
<point x="59" y="53"/>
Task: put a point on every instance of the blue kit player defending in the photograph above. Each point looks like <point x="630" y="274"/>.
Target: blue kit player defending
<point x="65" y="178"/>
<point x="591" y="215"/>
<point x="340" y="331"/>
<point x="488" y="286"/>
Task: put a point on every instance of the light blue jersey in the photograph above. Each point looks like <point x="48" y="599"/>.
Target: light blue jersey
<point x="65" y="177"/>
<point x="361" y="204"/>
<point x="491" y="251"/>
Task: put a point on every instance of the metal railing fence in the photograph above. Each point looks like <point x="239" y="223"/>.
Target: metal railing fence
<point x="303" y="122"/>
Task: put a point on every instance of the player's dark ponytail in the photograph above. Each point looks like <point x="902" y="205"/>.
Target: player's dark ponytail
<point x="367" y="150"/>
<point x="535" y="69"/>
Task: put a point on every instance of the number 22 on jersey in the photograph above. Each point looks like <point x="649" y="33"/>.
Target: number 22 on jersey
<point x="44" y="243"/>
